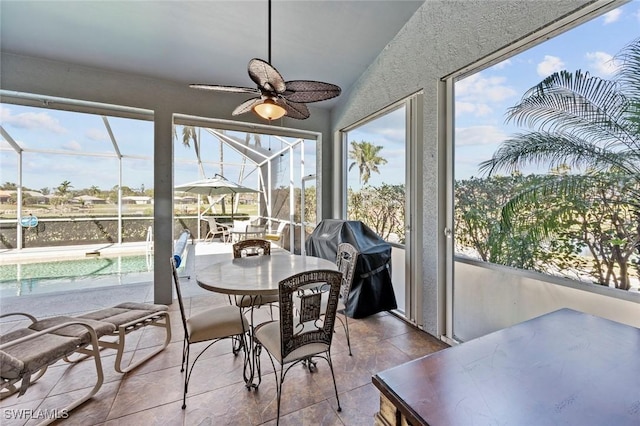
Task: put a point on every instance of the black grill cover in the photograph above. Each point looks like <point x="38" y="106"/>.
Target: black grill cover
<point x="371" y="291"/>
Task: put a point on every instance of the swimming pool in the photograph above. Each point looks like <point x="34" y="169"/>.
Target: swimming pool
<point x="45" y="277"/>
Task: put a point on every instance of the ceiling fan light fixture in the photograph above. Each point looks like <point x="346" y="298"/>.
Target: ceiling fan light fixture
<point x="276" y="97"/>
<point x="269" y="110"/>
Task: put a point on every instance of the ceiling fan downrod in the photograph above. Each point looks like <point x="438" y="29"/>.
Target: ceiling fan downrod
<point x="269" y="32"/>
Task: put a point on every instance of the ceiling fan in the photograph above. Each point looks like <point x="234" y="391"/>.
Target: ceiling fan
<point x="276" y="96"/>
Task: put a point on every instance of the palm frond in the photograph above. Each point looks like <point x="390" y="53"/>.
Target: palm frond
<point x="584" y="105"/>
<point x="628" y="75"/>
<point x="565" y="187"/>
<point x="553" y="150"/>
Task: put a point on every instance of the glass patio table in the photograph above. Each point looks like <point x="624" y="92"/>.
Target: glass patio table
<point x="254" y="277"/>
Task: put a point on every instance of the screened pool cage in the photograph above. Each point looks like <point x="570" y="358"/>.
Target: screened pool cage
<point x="95" y="184"/>
<point x="280" y="168"/>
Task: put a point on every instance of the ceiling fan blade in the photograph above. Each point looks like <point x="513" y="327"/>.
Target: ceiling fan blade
<point x="266" y="76"/>
<point x="295" y="110"/>
<point x="229" y="89"/>
<point x="310" y="91"/>
<point x="246" y="106"/>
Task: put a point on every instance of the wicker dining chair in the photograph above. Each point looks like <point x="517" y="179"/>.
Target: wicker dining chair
<point x="304" y="329"/>
<point x="254" y="247"/>
<point x="251" y="247"/>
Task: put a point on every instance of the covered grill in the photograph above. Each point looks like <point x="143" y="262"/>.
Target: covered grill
<point x="371" y="291"/>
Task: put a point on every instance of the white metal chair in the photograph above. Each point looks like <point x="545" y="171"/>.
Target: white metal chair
<point x="276" y="235"/>
<point x="212" y="325"/>
<point x="301" y="335"/>
<point x="217" y="229"/>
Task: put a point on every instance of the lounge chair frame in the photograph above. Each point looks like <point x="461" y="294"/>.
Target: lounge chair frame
<point x="86" y="346"/>
<point x="156" y="318"/>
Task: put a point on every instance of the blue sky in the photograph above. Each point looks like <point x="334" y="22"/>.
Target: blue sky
<point x="74" y="133"/>
<point x="481" y="100"/>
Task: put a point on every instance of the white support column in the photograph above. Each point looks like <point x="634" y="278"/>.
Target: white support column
<point x="19" y="228"/>
<point x="163" y="206"/>
<point x="292" y="205"/>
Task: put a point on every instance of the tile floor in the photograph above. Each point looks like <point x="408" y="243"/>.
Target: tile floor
<point x="152" y="394"/>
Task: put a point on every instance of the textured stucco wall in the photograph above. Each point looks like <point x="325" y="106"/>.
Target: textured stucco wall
<point x="442" y="37"/>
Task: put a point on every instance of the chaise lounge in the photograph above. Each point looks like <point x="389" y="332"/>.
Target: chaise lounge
<point x="25" y="353"/>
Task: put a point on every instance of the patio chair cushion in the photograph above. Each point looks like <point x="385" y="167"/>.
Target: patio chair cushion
<point x="27" y="351"/>
<point x="216" y="323"/>
<point x="10" y="366"/>
<point x="35" y="353"/>
<point x="75" y="331"/>
<point x="124" y="313"/>
<point x="269" y="336"/>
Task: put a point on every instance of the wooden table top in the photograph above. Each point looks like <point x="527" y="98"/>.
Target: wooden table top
<point x="562" y="368"/>
<point x="257" y="275"/>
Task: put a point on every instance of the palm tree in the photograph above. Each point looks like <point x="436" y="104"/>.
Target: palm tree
<point x="189" y="134"/>
<point x="585" y="122"/>
<point x="365" y="155"/>
<point x="63" y="188"/>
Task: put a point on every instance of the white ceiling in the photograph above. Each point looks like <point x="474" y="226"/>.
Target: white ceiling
<point x="207" y="41"/>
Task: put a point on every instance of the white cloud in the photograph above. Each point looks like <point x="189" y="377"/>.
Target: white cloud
<point x="638" y="15"/>
<point x="503" y="64"/>
<point x="72" y="146"/>
<point x="549" y="65"/>
<point x="31" y="120"/>
<point x="477" y="88"/>
<point x="602" y="63"/>
<point x="611" y="17"/>
<point x="97" y="134"/>
<point x="478" y="95"/>
<point x="477" y="109"/>
<point x="394" y="134"/>
<point x="479" y="135"/>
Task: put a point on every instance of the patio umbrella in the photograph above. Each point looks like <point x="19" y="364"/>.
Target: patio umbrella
<point x="217" y="185"/>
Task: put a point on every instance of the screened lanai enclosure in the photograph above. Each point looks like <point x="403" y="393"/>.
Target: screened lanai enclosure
<point x="75" y="173"/>
<point x="281" y="168"/>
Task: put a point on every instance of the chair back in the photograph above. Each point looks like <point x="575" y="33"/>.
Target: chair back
<point x="346" y="260"/>
<point x="281" y="226"/>
<point x="176" y="282"/>
<point x="213" y="223"/>
<point x="253" y="247"/>
<point x="302" y="321"/>
<point x="256" y="231"/>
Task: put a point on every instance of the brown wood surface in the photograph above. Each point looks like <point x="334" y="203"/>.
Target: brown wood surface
<point x="563" y="368"/>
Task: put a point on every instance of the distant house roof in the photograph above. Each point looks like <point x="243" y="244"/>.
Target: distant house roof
<point x="88" y="198"/>
<point x="10" y="192"/>
<point x="137" y="198"/>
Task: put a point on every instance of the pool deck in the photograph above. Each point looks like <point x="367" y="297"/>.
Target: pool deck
<point x="90" y="299"/>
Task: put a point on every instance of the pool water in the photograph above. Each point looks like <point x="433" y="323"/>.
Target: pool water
<point x="45" y="277"/>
